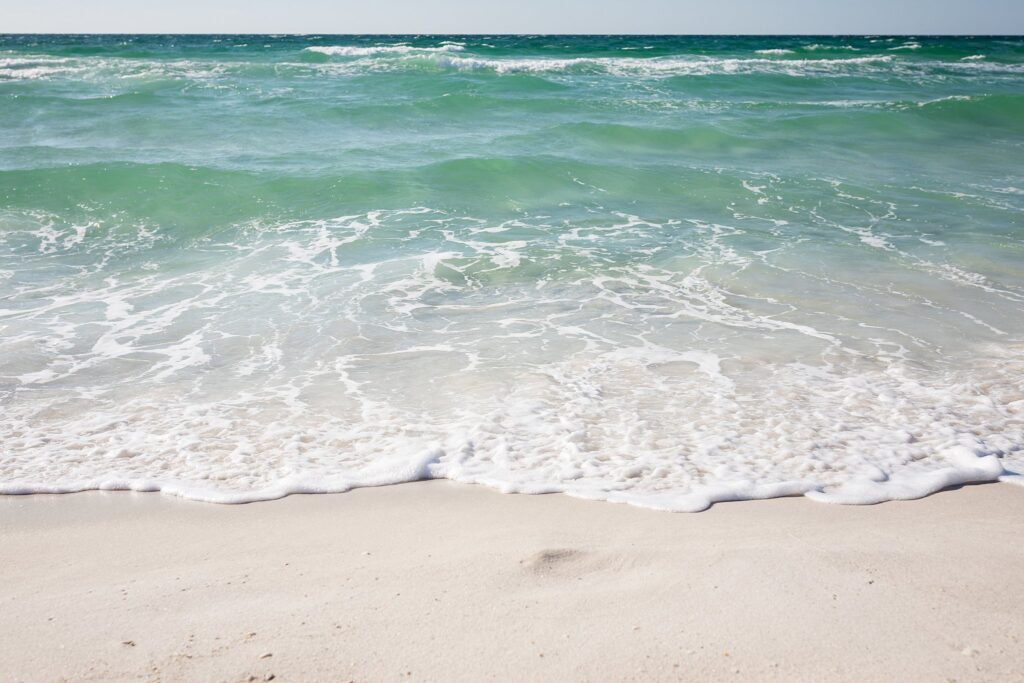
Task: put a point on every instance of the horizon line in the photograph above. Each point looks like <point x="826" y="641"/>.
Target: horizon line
<point x="518" y="35"/>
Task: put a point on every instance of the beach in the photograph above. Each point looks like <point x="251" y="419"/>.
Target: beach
<point x="643" y="357"/>
<point x="444" y="581"/>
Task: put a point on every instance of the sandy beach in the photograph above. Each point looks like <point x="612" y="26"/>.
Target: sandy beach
<point x="437" y="341"/>
<point x="438" y="581"/>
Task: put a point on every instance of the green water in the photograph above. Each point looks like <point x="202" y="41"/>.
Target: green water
<point x="661" y="270"/>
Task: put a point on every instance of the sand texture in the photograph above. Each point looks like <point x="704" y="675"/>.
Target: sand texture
<point x="439" y="581"/>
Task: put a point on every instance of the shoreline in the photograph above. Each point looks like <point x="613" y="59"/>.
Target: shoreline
<point x="973" y="472"/>
<point x="436" y="580"/>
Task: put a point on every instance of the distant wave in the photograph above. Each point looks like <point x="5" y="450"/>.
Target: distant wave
<point x="347" y="59"/>
<point x="655" y="66"/>
<point x="366" y="51"/>
<point x="813" y="47"/>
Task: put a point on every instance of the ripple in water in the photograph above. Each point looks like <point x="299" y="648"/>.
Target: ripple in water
<point x="735" y="269"/>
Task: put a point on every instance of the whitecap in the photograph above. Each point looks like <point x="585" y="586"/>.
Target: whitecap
<point x="366" y="51"/>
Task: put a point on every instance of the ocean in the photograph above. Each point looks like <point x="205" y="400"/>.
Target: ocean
<point x="665" y="271"/>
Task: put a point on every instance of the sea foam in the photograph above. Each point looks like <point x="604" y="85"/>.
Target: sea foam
<point x="166" y="396"/>
<point x="664" y="271"/>
<point x="364" y="51"/>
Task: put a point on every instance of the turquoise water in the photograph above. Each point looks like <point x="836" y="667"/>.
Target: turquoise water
<point x="658" y="270"/>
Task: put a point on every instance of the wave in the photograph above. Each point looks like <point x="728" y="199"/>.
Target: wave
<point x="996" y="111"/>
<point x="249" y="376"/>
<point x="112" y="69"/>
<point x="658" y="66"/>
<point x="907" y="46"/>
<point x="538" y="264"/>
<point x="357" y="60"/>
<point x="815" y="47"/>
<point x="365" y="51"/>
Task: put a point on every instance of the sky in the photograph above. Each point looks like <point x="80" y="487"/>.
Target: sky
<point x="513" y="16"/>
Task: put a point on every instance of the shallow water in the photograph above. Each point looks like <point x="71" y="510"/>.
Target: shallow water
<point x="664" y="271"/>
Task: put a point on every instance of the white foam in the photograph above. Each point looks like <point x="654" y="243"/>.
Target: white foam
<point x="452" y="55"/>
<point x="948" y="98"/>
<point x="660" y="66"/>
<point x="106" y="70"/>
<point x="312" y="360"/>
<point x="365" y="51"/>
<point x="813" y="47"/>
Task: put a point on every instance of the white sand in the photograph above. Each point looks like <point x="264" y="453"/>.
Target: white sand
<point x="443" y="582"/>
